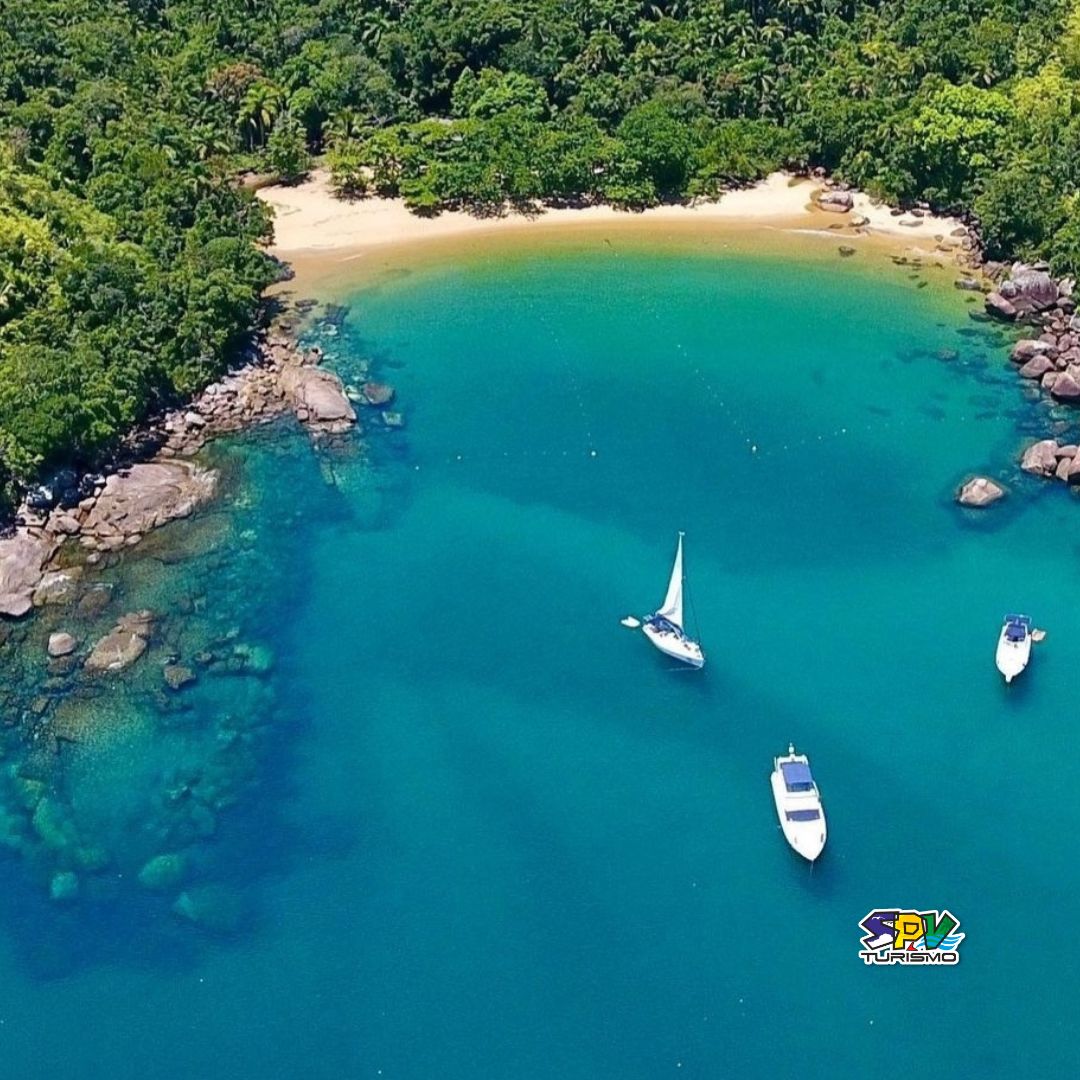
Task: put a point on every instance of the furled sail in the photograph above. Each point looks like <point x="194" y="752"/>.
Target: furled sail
<point x="672" y="609"/>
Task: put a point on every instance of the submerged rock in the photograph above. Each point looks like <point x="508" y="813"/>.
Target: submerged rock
<point x="163" y="872"/>
<point x="177" y="676"/>
<point x="64" y="886"/>
<point x="376" y="393"/>
<point x="61" y="643"/>
<point x="94" y="601"/>
<point x="22" y="561"/>
<point x="123" y="645"/>
<point x="211" y="907"/>
<point x="980" y="491"/>
<point x="57" y="586"/>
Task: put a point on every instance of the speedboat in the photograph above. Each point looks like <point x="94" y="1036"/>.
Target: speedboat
<point x="798" y="804"/>
<point x="664" y="628"/>
<point x="1014" y="646"/>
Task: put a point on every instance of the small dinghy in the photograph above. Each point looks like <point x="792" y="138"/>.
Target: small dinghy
<point x="1014" y="646"/>
<point x="664" y="628"/>
<point x="798" y="804"/>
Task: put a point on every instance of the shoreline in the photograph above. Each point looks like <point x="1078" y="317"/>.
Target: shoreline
<point x="324" y="238"/>
<point x="310" y="218"/>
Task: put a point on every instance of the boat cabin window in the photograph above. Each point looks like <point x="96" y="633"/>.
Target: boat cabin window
<point x="797" y="776"/>
<point x="803" y="815"/>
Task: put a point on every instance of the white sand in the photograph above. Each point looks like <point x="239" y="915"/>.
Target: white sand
<point x="309" y="218"/>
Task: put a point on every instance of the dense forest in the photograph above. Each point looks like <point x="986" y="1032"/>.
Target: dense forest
<point x="129" y="258"/>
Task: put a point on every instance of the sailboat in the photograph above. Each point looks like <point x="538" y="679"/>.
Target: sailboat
<point x="664" y="628"/>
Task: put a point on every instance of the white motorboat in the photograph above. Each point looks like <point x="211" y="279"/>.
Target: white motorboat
<point x="798" y="804"/>
<point x="1014" y="646"/>
<point x="664" y="628"/>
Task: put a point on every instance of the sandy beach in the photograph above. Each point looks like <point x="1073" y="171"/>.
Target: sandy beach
<point x="312" y="225"/>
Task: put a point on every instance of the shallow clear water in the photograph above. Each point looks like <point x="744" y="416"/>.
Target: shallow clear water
<point x="487" y="832"/>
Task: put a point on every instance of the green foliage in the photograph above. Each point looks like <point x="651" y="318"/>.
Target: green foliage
<point x="286" y="149"/>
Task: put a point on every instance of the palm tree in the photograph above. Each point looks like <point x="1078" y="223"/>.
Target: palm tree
<point x="260" y="107"/>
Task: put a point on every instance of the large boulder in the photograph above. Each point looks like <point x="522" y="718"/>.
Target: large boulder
<point x="1028" y="348"/>
<point x="998" y="305"/>
<point x="22" y="561"/>
<point x="1037" y="366"/>
<point x="980" y="491"/>
<point x="1030" y="290"/>
<point x="123" y="645"/>
<point x="146" y="496"/>
<point x="1067" y="385"/>
<point x="838" y="202"/>
<point x="1040" y="458"/>
<point x="318" y="398"/>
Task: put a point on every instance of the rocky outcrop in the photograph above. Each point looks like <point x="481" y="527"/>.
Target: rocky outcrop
<point x="22" y="565"/>
<point x="1028" y="290"/>
<point x="317" y="396"/>
<point x="123" y="645"/>
<point x="1041" y="458"/>
<point x="142" y="498"/>
<point x="980" y="491"/>
<point x="1066" y="387"/>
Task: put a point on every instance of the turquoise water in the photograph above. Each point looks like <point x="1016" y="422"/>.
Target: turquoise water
<point x="481" y="830"/>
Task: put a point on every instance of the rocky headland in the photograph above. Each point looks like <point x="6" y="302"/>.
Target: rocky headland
<point x="119" y="509"/>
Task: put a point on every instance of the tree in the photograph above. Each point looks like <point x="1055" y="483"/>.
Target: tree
<point x="286" y="150"/>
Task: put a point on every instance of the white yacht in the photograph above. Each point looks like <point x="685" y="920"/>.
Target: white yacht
<point x="664" y="628"/>
<point x="798" y="804"/>
<point x="1014" y="646"/>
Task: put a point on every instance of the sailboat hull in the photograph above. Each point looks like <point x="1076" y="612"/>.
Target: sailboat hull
<point x="677" y="646"/>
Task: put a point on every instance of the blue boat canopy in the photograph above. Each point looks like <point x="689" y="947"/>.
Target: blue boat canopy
<point x="1017" y="627"/>
<point x="797" y="775"/>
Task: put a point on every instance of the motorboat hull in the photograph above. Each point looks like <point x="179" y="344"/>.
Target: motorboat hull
<point x="805" y="838"/>
<point x="678" y="647"/>
<point x="1012" y="656"/>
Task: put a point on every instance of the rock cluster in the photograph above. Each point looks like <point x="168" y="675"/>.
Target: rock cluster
<point x="1029" y="291"/>
<point x="1050" y="458"/>
<point x="136" y="500"/>
<point x="118" y="510"/>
